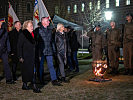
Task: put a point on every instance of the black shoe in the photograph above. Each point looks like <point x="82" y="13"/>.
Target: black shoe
<point x="63" y="79"/>
<point x="56" y="83"/>
<point x="126" y="72"/>
<point x="10" y="82"/>
<point x="77" y="70"/>
<point x="25" y="87"/>
<point x="131" y="72"/>
<point x="36" y="89"/>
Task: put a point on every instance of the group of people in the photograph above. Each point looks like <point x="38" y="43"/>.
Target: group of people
<point x="111" y="42"/>
<point x="30" y="47"/>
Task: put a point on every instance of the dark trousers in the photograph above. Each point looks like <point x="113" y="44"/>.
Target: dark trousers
<point x="14" y="65"/>
<point x="113" y="57"/>
<point x="75" y="60"/>
<point x="128" y="55"/>
<point x="7" y="69"/>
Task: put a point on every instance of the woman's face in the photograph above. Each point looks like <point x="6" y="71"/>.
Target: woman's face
<point x="30" y="27"/>
<point x="0" y="24"/>
<point x="62" y="28"/>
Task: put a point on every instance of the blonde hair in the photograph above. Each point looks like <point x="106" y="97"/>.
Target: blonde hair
<point x="59" y="25"/>
<point x="25" y="24"/>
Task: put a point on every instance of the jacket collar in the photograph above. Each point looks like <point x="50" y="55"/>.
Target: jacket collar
<point x="28" y="35"/>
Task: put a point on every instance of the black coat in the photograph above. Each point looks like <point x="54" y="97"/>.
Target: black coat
<point x="13" y="37"/>
<point x="4" y="42"/>
<point x="46" y="35"/>
<point x="61" y="45"/>
<point x="26" y="50"/>
<point x="74" y="44"/>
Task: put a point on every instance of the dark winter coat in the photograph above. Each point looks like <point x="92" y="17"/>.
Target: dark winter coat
<point x="74" y="44"/>
<point x="4" y="42"/>
<point x="13" y="37"/>
<point x="26" y="50"/>
<point x="46" y="35"/>
<point x="61" y="46"/>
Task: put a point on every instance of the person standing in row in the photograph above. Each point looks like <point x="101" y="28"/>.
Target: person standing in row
<point x="46" y="35"/>
<point x="61" y="47"/>
<point x="26" y="53"/>
<point x="74" y="45"/>
<point x="13" y="37"/>
<point x="97" y="44"/>
<point x="128" y="45"/>
<point x="113" y="40"/>
<point x="4" y="50"/>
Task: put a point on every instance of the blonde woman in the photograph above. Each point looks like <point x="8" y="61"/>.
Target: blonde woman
<point x="26" y="52"/>
<point x="61" y="46"/>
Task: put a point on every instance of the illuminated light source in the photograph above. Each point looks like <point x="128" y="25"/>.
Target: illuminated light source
<point x="108" y="15"/>
<point x="99" y="69"/>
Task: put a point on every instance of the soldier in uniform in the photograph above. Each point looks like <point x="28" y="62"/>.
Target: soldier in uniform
<point x="113" y="38"/>
<point x="97" y="43"/>
<point x="128" y="45"/>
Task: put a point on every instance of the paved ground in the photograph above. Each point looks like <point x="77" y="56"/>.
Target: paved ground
<point x="79" y="88"/>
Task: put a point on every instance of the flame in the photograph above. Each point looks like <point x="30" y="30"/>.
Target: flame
<point x="100" y="68"/>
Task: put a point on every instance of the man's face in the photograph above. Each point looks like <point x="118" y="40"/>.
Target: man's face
<point x="128" y="18"/>
<point x="45" y="22"/>
<point x="97" y="28"/>
<point x="0" y="24"/>
<point x="112" y="24"/>
<point x="65" y="29"/>
<point x="18" y="25"/>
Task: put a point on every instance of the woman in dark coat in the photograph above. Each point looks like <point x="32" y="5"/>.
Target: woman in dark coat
<point x="61" y="46"/>
<point x="26" y="53"/>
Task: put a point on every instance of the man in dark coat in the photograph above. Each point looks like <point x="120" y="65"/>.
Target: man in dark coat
<point x="128" y="45"/>
<point x="113" y="38"/>
<point x="74" y="45"/>
<point x="46" y="35"/>
<point x="38" y="41"/>
<point x="13" y="37"/>
<point x="4" y="50"/>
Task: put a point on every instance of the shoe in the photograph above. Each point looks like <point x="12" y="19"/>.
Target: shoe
<point x="77" y="70"/>
<point x="126" y="72"/>
<point x="10" y="82"/>
<point x="56" y="83"/>
<point x="36" y="89"/>
<point x="63" y="79"/>
<point x="131" y="72"/>
<point x="25" y="87"/>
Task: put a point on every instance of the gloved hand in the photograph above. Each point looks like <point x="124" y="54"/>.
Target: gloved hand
<point x="116" y="49"/>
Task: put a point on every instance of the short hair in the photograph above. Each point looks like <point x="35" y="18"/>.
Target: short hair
<point x="43" y="18"/>
<point x="25" y="24"/>
<point x="16" y="22"/>
<point x="59" y="25"/>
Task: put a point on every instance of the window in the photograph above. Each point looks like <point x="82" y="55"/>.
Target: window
<point x="117" y="3"/>
<point x="127" y="2"/>
<point x="98" y="4"/>
<point x="83" y="7"/>
<point x="28" y="7"/>
<point x="75" y="8"/>
<point x="90" y="5"/>
<point x="107" y="3"/>
<point x="68" y="9"/>
<point x="56" y="9"/>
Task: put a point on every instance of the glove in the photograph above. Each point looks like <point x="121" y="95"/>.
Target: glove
<point x="116" y="49"/>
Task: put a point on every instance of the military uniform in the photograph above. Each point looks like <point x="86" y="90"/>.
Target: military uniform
<point x="128" y="47"/>
<point x="97" y="44"/>
<point x="113" y="38"/>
